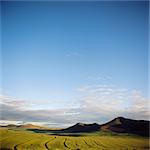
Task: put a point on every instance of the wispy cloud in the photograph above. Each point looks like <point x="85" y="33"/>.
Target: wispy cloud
<point x="96" y="103"/>
<point x="6" y="100"/>
<point x="18" y="110"/>
<point x="110" y="101"/>
<point x="99" y="77"/>
<point x="139" y="105"/>
<point x="73" y="54"/>
<point x="6" y="122"/>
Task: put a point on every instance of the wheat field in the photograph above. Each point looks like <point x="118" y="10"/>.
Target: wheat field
<point x="25" y="140"/>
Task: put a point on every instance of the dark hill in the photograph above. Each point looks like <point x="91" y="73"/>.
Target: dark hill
<point x="81" y="127"/>
<point x="124" y="125"/>
<point x="118" y="125"/>
<point x="9" y="126"/>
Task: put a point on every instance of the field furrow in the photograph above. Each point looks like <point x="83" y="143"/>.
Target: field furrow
<point x="65" y="144"/>
<point x="46" y="143"/>
<point x="16" y="146"/>
<point x="87" y="143"/>
<point x="25" y="140"/>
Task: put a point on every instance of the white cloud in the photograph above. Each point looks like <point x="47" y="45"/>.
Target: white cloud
<point x="6" y="122"/>
<point x="110" y="101"/>
<point x="18" y="110"/>
<point x="95" y="103"/>
<point x="71" y="54"/>
<point x="6" y="100"/>
<point x="139" y="105"/>
<point x="99" y="77"/>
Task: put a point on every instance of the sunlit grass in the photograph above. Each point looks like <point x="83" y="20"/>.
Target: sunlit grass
<point x="25" y="140"/>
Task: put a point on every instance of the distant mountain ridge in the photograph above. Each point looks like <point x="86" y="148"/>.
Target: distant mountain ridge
<point x="124" y="125"/>
<point x="81" y="127"/>
<point x="119" y="125"/>
<point x="27" y="126"/>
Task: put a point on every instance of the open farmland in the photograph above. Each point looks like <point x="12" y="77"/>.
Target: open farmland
<point x="27" y="140"/>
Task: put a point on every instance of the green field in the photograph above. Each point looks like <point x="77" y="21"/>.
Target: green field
<point x="27" y="140"/>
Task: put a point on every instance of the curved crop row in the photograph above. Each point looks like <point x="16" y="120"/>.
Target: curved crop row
<point x="24" y="140"/>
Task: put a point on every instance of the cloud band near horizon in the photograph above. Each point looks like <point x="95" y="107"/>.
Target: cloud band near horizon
<point x="96" y="103"/>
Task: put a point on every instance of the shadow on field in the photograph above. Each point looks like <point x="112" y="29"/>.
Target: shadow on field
<point x="6" y="149"/>
<point x="55" y="132"/>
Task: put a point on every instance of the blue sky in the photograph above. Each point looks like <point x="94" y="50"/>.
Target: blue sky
<point x="53" y="51"/>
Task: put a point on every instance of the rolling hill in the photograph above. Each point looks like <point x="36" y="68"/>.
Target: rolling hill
<point x="26" y="126"/>
<point x="81" y="127"/>
<point x="124" y="125"/>
<point x="118" y="125"/>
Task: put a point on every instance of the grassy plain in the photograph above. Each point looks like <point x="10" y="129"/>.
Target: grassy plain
<point x="11" y="139"/>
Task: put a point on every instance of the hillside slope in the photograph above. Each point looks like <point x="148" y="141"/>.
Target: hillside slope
<point x="124" y="125"/>
<point x="81" y="127"/>
<point x="118" y="125"/>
